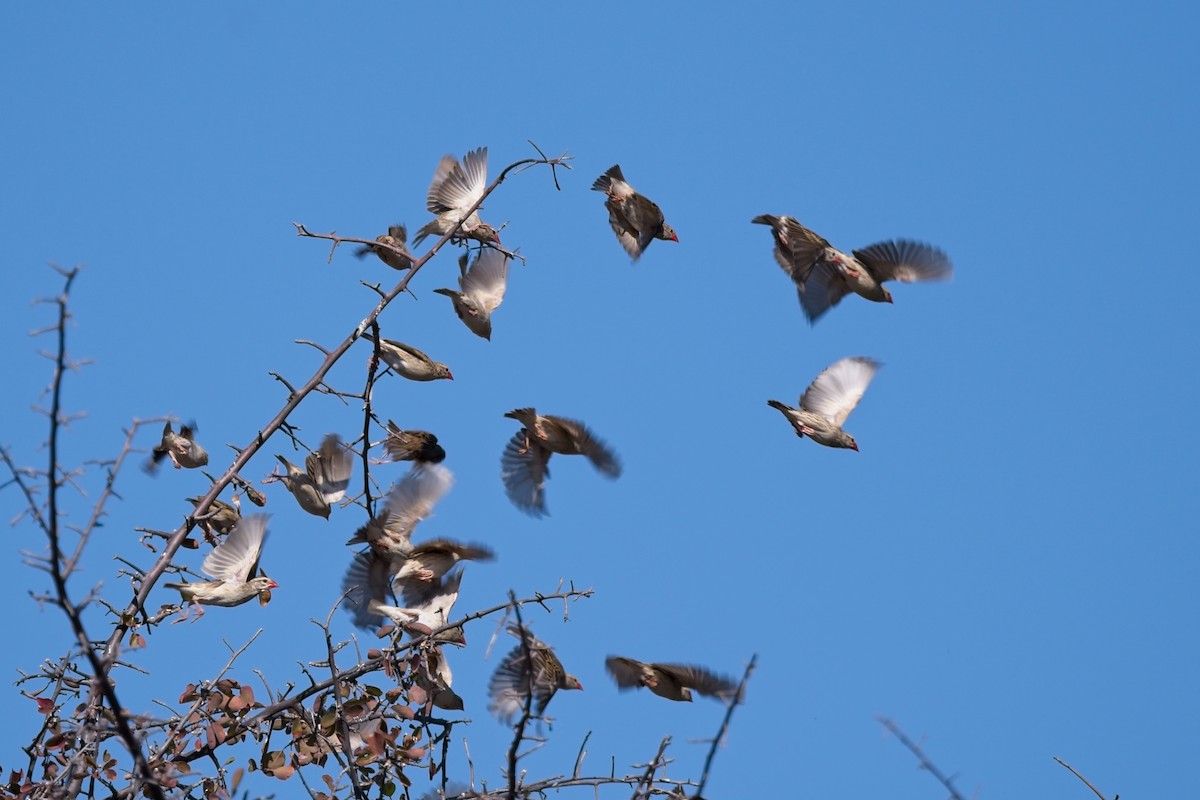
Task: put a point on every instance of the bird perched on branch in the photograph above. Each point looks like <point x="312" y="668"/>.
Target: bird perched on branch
<point x="419" y="446"/>
<point x="827" y="402"/>
<point x="220" y="517"/>
<point x="824" y="275"/>
<point x="532" y="664"/>
<point x="454" y="189"/>
<point x="524" y="464"/>
<point x="672" y="681"/>
<point x="180" y="447"/>
<point x="325" y="481"/>
<point x="396" y="237"/>
<point x="481" y="290"/>
<point x="232" y="565"/>
<point x="409" y="362"/>
<point x="635" y="219"/>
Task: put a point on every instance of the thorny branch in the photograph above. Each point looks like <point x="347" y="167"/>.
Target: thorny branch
<point x="1085" y="780"/>
<point x="738" y="698"/>
<point x="922" y="760"/>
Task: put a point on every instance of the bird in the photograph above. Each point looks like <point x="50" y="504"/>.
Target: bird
<point x="326" y="477"/>
<point x="232" y="564"/>
<point x="431" y="672"/>
<point x="830" y="398"/>
<point x="220" y="517"/>
<point x="454" y="189"/>
<point x="409" y="362"/>
<point x="824" y="275"/>
<point x="396" y="237"/>
<point x="481" y="290"/>
<point x="531" y="665"/>
<point x="419" y="446"/>
<point x="427" y="604"/>
<point x="672" y="681"/>
<point x="523" y="465"/>
<point x="635" y="219"/>
<point x="180" y="447"/>
<point x="410" y="500"/>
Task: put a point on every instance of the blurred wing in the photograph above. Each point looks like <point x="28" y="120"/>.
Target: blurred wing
<point x="330" y="468"/>
<point x="464" y="552"/>
<point x="907" y="261"/>
<point x="367" y="579"/>
<point x="625" y="671"/>
<point x="524" y="474"/>
<point x="414" y="496"/>
<point x="837" y="390"/>
<point x="625" y="232"/>
<point x="595" y="449"/>
<point x="487" y="279"/>
<point x="509" y="686"/>
<point x="823" y="289"/>
<point x="435" y="597"/>
<point x="237" y="556"/>
<point x="698" y="679"/>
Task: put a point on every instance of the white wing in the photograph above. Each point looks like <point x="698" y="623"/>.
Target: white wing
<point x="457" y="187"/>
<point x="238" y="554"/>
<point x="413" y="497"/>
<point x="837" y="390"/>
<point x="487" y="279"/>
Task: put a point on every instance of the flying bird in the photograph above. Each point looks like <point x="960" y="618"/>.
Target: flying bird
<point x="672" y="681"/>
<point x="481" y="290"/>
<point x="427" y="604"/>
<point x="827" y="402"/>
<point x="524" y="464"/>
<point x="232" y="566"/>
<point x="410" y="500"/>
<point x="396" y="237"/>
<point x="326" y="477"/>
<point x="635" y="219"/>
<point x="454" y="189"/>
<point x="824" y="275"/>
<point x="409" y="362"/>
<point x="419" y="446"/>
<point x="531" y="665"/>
<point x="180" y="447"/>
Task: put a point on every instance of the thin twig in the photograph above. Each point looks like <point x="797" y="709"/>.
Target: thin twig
<point x="1085" y="780"/>
<point x="922" y="761"/>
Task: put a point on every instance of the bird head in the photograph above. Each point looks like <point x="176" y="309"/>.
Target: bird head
<point x="571" y="682"/>
<point x="887" y="296"/>
<point x="443" y="371"/>
<point x="669" y="233"/>
<point x="685" y="694"/>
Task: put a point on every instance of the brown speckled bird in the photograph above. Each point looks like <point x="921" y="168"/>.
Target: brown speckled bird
<point x="326" y="479"/>
<point x="180" y="447"/>
<point x="419" y="446"/>
<point x="480" y="290"/>
<point x="824" y="275"/>
<point x="531" y="664"/>
<point x="396" y="237"/>
<point x="827" y="402"/>
<point x="672" y="681"/>
<point x="523" y="466"/>
<point x="635" y="219"/>
<point x="220" y="517"/>
<point x="454" y="189"/>
<point x="409" y="362"/>
<point x="232" y="564"/>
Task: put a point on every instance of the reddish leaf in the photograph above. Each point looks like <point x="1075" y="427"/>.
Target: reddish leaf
<point x="45" y="705"/>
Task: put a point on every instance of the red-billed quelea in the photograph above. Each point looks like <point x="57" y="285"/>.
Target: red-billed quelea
<point x="827" y="402"/>
<point x="410" y="500"/>
<point x="326" y="479"/>
<point x="180" y="447"/>
<point x="672" y="681"/>
<point x="482" y="290"/>
<point x="524" y="464"/>
<point x="824" y="275"/>
<point x="531" y="664"/>
<point x="386" y="246"/>
<point x="454" y="189"/>
<point x="232" y="566"/>
<point x="427" y="604"/>
<point x="220" y="517"/>
<point x="409" y="362"/>
<point x="635" y="219"/>
<point x="419" y="446"/>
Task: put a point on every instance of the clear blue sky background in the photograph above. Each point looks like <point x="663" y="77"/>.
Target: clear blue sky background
<point x="1008" y="568"/>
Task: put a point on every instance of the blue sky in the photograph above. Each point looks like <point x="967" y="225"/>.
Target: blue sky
<point x="1007" y="568"/>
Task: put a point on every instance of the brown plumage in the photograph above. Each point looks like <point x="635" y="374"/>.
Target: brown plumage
<point x="232" y="565"/>
<point x="325" y="479"/>
<point x="409" y="362"/>
<point x="180" y="447"/>
<point x="672" y="681"/>
<point x="396" y="237"/>
<point x="635" y="219"/>
<point x="419" y="446"/>
<point x="531" y="665"/>
<point x="524" y="464"/>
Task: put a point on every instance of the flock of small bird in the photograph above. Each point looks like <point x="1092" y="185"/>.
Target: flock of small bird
<point x="426" y="576"/>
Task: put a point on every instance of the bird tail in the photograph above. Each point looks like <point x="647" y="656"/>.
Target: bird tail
<point x="766" y="219"/>
<point x="603" y="183"/>
<point x="426" y="230"/>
